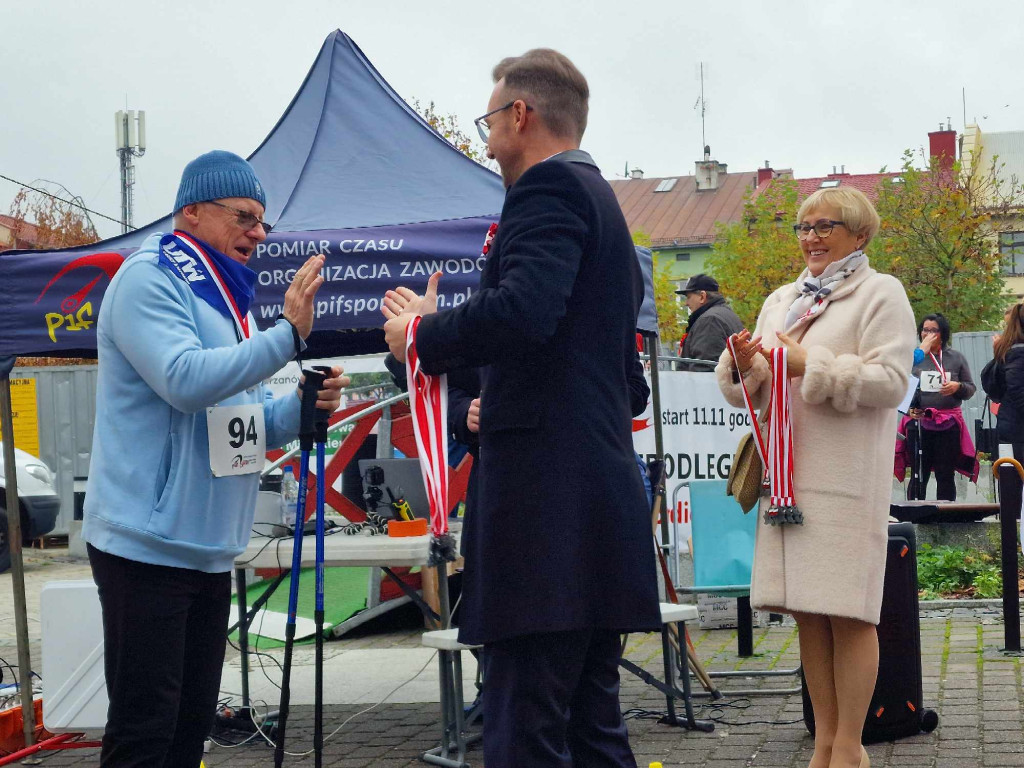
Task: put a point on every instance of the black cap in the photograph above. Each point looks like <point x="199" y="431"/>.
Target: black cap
<point x="700" y="282"/>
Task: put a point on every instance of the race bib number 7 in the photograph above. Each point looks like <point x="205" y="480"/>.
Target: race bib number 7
<point x="238" y="439"/>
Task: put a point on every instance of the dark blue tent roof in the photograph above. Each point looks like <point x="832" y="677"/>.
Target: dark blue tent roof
<point x="349" y="152"/>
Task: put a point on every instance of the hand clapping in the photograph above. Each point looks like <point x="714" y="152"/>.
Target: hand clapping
<point x="400" y="306"/>
<point x="745" y="349"/>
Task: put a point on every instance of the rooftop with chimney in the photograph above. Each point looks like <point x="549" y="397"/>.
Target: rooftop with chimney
<point x="678" y="211"/>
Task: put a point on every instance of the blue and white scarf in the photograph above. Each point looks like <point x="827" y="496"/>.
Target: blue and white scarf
<point x="223" y="283"/>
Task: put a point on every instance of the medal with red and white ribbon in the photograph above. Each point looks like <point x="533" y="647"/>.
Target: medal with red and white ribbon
<point x="428" y="401"/>
<point x="782" y="508"/>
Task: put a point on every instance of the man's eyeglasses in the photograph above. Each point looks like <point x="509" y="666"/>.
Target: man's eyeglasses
<point x="822" y="228"/>
<point x="246" y="220"/>
<point x="481" y="122"/>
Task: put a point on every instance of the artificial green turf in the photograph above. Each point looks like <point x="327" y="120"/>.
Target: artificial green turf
<point x="344" y="596"/>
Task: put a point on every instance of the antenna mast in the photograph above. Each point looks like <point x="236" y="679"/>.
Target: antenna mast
<point x="703" y="107"/>
<point x="129" y="143"/>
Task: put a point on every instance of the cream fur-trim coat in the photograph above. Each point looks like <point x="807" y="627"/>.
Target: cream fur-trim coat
<point x="859" y="356"/>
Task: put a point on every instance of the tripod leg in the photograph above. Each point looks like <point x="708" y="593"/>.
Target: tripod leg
<point x="318" y="615"/>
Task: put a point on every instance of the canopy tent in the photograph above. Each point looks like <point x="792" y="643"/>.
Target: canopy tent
<point x="351" y="171"/>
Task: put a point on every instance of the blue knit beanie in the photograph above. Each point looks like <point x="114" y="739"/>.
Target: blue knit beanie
<point x="216" y="175"/>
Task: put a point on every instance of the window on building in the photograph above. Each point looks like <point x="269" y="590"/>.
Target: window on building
<point x="829" y="183"/>
<point x="1011" y="252"/>
<point x="682" y="256"/>
<point x="666" y="185"/>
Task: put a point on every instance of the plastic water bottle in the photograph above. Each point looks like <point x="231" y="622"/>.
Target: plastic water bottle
<point x="289" y="496"/>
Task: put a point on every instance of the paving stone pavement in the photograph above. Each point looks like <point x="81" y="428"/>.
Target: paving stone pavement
<point x="976" y="690"/>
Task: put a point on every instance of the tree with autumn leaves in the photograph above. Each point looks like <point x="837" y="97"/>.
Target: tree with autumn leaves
<point x="754" y="256"/>
<point x="939" y="236"/>
<point x="447" y="125"/>
<point x="55" y="222"/>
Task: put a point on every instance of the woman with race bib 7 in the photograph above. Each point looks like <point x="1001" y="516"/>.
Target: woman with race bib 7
<point x="945" y="382"/>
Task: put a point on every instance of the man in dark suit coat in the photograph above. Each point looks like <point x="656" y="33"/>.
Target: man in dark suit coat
<point x="559" y="555"/>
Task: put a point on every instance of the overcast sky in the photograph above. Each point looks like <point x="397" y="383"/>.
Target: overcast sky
<point x="804" y="85"/>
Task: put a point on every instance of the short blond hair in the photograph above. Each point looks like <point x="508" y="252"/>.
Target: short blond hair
<point x="855" y="210"/>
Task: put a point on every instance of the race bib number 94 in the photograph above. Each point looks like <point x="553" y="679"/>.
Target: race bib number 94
<point x="238" y="439"/>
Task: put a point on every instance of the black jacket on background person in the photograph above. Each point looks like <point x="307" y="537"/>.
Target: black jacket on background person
<point x="706" y="334"/>
<point x="561" y="538"/>
<point x="1010" y="419"/>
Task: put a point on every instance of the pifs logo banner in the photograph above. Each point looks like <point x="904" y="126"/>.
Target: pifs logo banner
<point x="76" y="314"/>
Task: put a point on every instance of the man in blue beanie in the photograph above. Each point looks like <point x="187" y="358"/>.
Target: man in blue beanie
<point x="182" y="425"/>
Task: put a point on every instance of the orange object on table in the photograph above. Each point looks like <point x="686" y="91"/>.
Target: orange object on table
<point x="417" y="527"/>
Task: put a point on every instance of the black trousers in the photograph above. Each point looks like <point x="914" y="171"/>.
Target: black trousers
<point x="940" y="451"/>
<point x="552" y="701"/>
<point x="164" y="634"/>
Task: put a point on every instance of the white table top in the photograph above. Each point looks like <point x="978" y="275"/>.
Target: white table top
<point x="339" y="550"/>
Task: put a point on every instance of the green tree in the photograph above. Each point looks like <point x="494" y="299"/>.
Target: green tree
<point x="448" y="127"/>
<point x="752" y="257"/>
<point x="940" y="237"/>
<point x="671" y="315"/>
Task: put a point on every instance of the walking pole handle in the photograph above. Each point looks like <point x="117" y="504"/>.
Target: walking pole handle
<point x="312" y="383"/>
<point x="320" y="416"/>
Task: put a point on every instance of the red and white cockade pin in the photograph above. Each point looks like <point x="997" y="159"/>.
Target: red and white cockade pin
<point x="489" y="239"/>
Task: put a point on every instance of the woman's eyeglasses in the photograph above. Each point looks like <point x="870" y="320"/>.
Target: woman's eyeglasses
<point x="822" y="228"/>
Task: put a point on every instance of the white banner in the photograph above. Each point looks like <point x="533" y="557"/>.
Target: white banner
<point x="700" y="432"/>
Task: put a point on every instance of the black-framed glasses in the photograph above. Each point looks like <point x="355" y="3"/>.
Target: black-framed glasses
<point x="246" y="220"/>
<point x="481" y="122"/>
<point x="822" y="228"/>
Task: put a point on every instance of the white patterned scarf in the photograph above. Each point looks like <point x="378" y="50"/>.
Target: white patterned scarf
<point x="815" y="291"/>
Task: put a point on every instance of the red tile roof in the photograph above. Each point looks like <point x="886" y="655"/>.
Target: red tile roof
<point x="682" y="215"/>
<point x="26" y="235"/>
<point x="868" y="183"/>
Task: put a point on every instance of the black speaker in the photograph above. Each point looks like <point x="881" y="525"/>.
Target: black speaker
<point x="897" y="708"/>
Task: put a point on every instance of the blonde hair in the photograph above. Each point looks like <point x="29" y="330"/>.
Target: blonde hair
<point x="855" y="210"/>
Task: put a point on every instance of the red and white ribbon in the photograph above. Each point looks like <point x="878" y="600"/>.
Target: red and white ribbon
<point x="780" y="433"/>
<point x="428" y="400"/>
<point x="755" y="430"/>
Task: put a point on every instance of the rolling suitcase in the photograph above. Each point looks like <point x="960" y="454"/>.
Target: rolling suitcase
<point x="897" y="709"/>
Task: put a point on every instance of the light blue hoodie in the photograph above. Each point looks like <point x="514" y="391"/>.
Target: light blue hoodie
<point x="165" y="355"/>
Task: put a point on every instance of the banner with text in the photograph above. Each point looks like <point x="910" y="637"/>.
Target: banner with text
<point x="700" y="431"/>
<point x="51" y="298"/>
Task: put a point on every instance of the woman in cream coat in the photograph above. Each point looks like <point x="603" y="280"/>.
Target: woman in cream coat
<point x="850" y="335"/>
